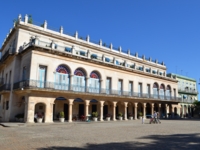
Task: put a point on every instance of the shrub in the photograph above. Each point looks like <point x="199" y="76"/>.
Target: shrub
<point x="62" y="115"/>
<point x="94" y="114"/>
<point x="140" y="114"/>
<point x="120" y="114"/>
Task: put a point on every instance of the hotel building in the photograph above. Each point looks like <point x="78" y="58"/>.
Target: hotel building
<point x="187" y="91"/>
<point x="48" y="71"/>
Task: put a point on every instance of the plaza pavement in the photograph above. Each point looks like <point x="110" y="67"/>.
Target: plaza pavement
<point x="169" y="135"/>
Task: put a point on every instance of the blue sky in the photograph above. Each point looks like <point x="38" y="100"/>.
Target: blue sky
<point x="162" y="29"/>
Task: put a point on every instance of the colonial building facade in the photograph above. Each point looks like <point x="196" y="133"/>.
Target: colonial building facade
<point x="48" y="71"/>
<point x="187" y="91"/>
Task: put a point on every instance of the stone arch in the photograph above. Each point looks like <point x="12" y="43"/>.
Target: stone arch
<point x="97" y="74"/>
<point x="80" y="72"/>
<point x="40" y="110"/>
<point x="63" y="68"/>
<point x="155" y="85"/>
<point x="60" y="104"/>
<point x="162" y="86"/>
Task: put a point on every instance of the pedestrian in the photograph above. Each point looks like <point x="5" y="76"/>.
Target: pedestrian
<point x="158" y="117"/>
<point x="155" y="117"/>
<point x="35" y="117"/>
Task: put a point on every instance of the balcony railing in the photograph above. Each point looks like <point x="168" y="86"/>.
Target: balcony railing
<point x="10" y="51"/>
<point x="188" y="91"/>
<point x="191" y="101"/>
<point x="1" y="81"/>
<point x="31" y="84"/>
<point x="5" y="87"/>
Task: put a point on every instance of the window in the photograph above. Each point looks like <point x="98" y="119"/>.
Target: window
<point x="41" y="76"/>
<point x="147" y="70"/>
<point x="82" y="53"/>
<point x="108" y="85"/>
<point x="120" y="87"/>
<point x="130" y="88"/>
<point x="7" y="105"/>
<point x="107" y="59"/>
<point x="6" y="78"/>
<point x="154" y="72"/>
<point x="24" y="73"/>
<point x="148" y="90"/>
<point x="117" y="62"/>
<point x="174" y="93"/>
<point x="10" y="77"/>
<point x="155" y="90"/>
<point x="67" y="49"/>
<point x="139" y="89"/>
<point x="94" y="56"/>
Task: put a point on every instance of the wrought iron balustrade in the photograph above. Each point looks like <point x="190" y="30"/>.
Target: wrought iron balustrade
<point x="5" y="87"/>
<point x="31" y="84"/>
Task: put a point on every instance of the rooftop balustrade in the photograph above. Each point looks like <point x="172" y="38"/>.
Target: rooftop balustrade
<point x="35" y="84"/>
<point x="62" y="32"/>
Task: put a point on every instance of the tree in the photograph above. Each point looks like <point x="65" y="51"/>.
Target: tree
<point x="30" y="19"/>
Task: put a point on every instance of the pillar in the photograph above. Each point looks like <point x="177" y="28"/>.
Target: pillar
<point x="152" y="108"/>
<point x="29" y="110"/>
<point x="49" y="112"/>
<point x="172" y="113"/>
<point x="135" y="110"/>
<point x="70" y="102"/>
<point x="183" y="111"/>
<point x="101" y="110"/>
<point x="114" y="109"/>
<point x="125" y="110"/>
<point x="144" y="110"/>
<point x="159" y="109"/>
<point x="87" y="102"/>
<point x="166" y="110"/>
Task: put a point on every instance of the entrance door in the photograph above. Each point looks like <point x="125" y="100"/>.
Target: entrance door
<point x="66" y="111"/>
<point x="81" y="110"/>
<point x="116" y="111"/>
<point x="94" y="108"/>
<point x="105" y="110"/>
<point x="53" y="111"/>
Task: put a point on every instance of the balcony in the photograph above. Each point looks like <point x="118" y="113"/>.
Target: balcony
<point x="190" y="101"/>
<point x="35" y="84"/>
<point x="5" y="87"/>
<point x="1" y="81"/>
<point x="188" y="91"/>
<point x="9" y="52"/>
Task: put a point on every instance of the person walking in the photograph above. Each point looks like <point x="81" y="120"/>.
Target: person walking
<point x="158" y="117"/>
<point x="155" y="117"/>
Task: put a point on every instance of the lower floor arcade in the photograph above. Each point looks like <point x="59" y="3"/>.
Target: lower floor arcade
<point x="76" y="107"/>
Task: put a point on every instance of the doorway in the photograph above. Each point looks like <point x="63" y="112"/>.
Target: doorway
<point x="66" y="108"/>
<point x="81" y="110"/>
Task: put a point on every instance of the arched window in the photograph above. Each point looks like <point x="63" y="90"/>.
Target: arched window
<point x="94" y="82"/>
<point x="155" y="90"/>
<point x="79" y="80"/>
<point x="162" y="91"/>
<point x="62" y="78"/>
<point x="168" y="93"/>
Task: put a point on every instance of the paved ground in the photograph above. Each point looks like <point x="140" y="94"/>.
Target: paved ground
<point x="169" y="135"/>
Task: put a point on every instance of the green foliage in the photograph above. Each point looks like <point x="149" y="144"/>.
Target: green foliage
<point x="120" y="114"/>
<point x="30" y="19"/>
<point x="140" y="114"/>
<point x="94" y="114"/>
<point x="19" y="116"/>
<point x="62" y="114"/>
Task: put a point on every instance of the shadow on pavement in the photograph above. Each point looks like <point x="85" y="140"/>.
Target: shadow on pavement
<point x="159" y="142"/>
